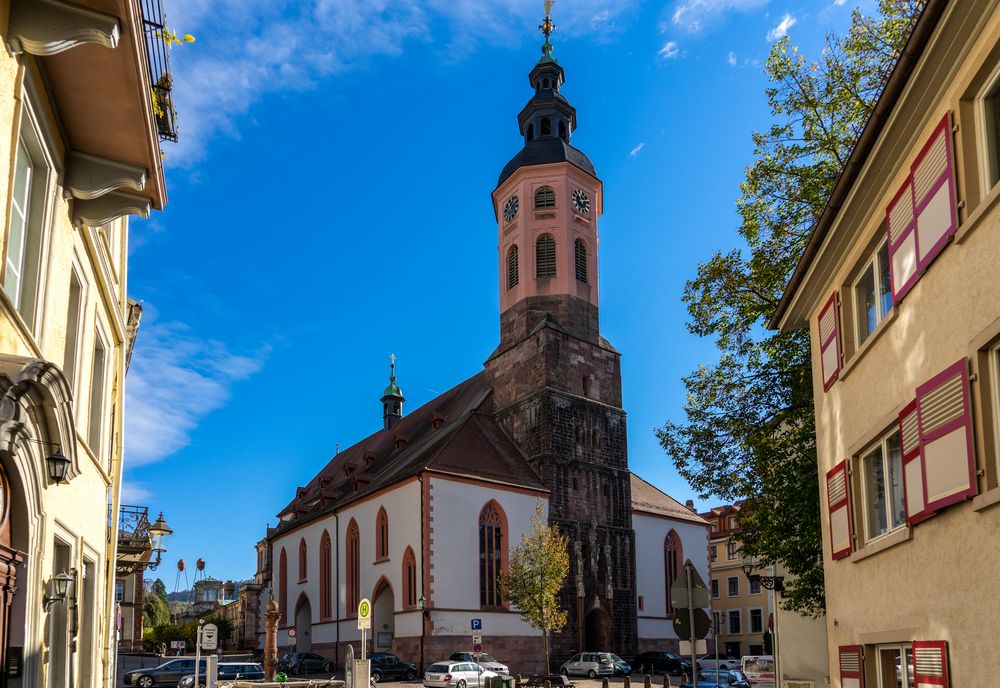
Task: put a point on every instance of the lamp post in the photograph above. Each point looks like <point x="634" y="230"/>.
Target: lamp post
<point x="158" y="534"/>
<point x="420" y="605"/>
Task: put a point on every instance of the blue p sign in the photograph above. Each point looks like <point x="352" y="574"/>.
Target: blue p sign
<point x="477" y="624"/>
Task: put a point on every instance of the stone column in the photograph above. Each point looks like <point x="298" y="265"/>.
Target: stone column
<point x="271" y="640"/>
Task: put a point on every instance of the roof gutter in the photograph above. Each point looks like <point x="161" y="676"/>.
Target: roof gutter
<point x="898" y="78"/>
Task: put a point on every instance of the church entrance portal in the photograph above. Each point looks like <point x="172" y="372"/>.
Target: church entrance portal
<point x="383" y="616"/>
<point x="597" y="631"/>
<point x="303" y="625"/>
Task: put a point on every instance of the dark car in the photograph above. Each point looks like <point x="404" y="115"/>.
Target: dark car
<point x="305" y="663"/>
<point x="228" y="671"/>
<point x="622" y="668"/>
<point x="720" y="678"/>
<point x="169" y="673"/>
<point x="388" y="665"/>
<point x="662" y="663"/>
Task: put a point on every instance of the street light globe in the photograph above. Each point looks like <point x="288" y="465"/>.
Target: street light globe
<point x="158" y="533"/>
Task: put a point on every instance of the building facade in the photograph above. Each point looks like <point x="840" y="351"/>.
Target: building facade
<point x="82" y="144"/>
<point x="129" y="594"/>
<point x="899" y="293"/>
<point x="420" y="516"/>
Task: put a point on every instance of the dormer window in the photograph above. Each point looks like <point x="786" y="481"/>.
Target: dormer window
<point x="546" y="126"/>
<point x="545" y="197"/>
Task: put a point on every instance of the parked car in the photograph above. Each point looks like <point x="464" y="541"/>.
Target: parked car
<point x="480" y="658"/>
<point x="457" y="675"/>
<point x="388" y="665"/>
<point x="663" y="663"/>
<point x="725" y="662"/>
<point x="720" y="678"/>
<point x="305" y="663"/>
<point x="760" y="670"/>
<point x="621" y="667"/>
<point x="592" y="664"/>
<point x="228" y="671"/>
<point x="168" y="673"/>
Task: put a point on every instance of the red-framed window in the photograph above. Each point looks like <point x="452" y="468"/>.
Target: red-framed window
<point x="325" y="577"/>
<point x="829" y="342"/>
<point x="283" y="587"/>
<point x="353" y="567"/>
<point x="492" y="553"/>
<point x="851" y="660"/>
<point x="673" y="559"/>
<point x="930" y="663"/>
<point x="839" y="510"/>
<point x="409" y="578"/>
<point x="944" y="418"/>
<point x="303" y="560"/>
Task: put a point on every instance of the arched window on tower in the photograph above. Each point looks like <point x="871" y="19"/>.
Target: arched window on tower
<point x="581" y="260"/>
<point x="353" y="567"/>
<point x="545" y="197"/>
<point x="546" y="126"/>
<point x="409" y="578"/>
<point x="545" y="256"/>
<point x="512" y="267"/>
<point x="283" y="587"/>
<point x="381" y="535"/>
<point x="303" y="562"/>
<point x="562" y="130"/>
<point x="531" y="132"/>
<point x="492" y="553"/>
<point x="672" y="558"/>
<point x="325" y="577"/>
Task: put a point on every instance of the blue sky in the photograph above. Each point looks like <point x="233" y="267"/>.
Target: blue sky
<point x="330" y="205"/>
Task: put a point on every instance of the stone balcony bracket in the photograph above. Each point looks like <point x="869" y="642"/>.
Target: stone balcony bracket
<point x="89" y="176"/>
<point x="111" y="206"/>
<point x="47" y="27"/>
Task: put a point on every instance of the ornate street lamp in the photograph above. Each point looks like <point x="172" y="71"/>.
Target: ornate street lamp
<point x="58" y="466"/>
<point x="776" y="583"/>
<point x="158" y="534"/>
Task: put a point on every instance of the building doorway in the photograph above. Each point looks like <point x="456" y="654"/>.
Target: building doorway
<point x="383" y="616"/>
<point x="9" y="559"/>
<point x="303" y="625"/>
<point x="597" y="631"/>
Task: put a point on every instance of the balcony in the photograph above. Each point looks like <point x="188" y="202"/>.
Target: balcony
<point x="134" y="542"/>
<point x="158" y="59"/>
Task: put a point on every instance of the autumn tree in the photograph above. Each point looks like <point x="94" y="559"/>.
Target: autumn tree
<point x="749" y="431"/>
<point x="538" y="567"/>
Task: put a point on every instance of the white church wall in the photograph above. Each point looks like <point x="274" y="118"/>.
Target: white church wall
<point x="311" y="533"/>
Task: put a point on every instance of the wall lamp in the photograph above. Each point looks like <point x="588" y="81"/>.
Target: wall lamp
<point x="56" y="462"/>
<point x="59" y="585"/>
<point x="776" y="583"/>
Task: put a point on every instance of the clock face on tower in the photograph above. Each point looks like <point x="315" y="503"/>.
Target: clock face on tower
<point x="581" y="202"/>
<point x="510" y="209"/>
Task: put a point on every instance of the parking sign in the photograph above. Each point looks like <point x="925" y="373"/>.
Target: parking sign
<point x="477" y="624"/>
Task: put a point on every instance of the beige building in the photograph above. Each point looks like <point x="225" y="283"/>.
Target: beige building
<point x="898" y="287"/>
<point x="81" y="145"/>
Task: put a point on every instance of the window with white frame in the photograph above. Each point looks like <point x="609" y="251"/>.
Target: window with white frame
<point x="732" y="551"/>
<point x="732" y="522"/>
<point x="733" y="586"/>
<point x="882" y="486"/>
<point x="713" y="553"/>
<point x="889" y="660"/>
<point x="755" y="586"/>
<point x="73" y="313"/>
<point x="873" y="292"/>
<point x="756" y="620"/>
<point x="990" y="114"/>
<point x="98" y="381"/>
<point x="715" y="588"/>
<point x="735" y="619"/>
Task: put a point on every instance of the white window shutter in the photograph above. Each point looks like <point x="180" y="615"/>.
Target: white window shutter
<point x="930" y="663"/>
<point x="934" y="194"/>
<point x="829" y="342"/>
<point x="901" y="227"/>
<point x="839" y="508"/>
<point x="945" y="421"/>
<point x="914" y="489"/>
<point x="852" y="673"/>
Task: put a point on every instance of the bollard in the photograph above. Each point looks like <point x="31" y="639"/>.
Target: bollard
<point x="647" y="681"/>
<point x="666" y="680"/>
<point x="628" y="682"/>
<point x="604" y="682"/>
<point x="548" y="684"/>
<point x="684" y="677"/>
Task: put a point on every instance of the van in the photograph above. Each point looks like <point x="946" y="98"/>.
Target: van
<point x="760" y="670"/>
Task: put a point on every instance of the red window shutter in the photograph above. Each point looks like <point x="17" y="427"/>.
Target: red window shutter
<point x="913" y="471"/>
<point x="934" y="194"/>
<point x="829" y="342"/>
<point x="945" y="420"/>
<point x="930" y="663"/>
<point x="852" y="673"/>
<point x="901" y="227"/>
<point x="838" y="498"/>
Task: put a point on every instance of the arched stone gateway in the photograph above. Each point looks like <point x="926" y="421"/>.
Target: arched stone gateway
<point x="383" y="616"/>
<point x="597" y="631"/>
<point x="303" y="624"/>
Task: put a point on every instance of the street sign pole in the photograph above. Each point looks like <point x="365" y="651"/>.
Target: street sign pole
<point x="694" y="637"/>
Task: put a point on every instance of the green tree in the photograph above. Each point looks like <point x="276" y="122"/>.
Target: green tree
<point x="225" y="628"/>
<point x="538" y="567"/>
<point x="749" y="431"/>
<point x="155" y="608"/>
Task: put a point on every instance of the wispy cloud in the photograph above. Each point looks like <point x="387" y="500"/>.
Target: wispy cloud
<point x="694" y="16"/>
<point x="731" y="59"/>
<point x="839" y="3"/>
<point x="781" y="30"/>
<point x="176" y="379"/>
<point x="638" y="149"/>
<point x="135" y="493"/>
<point x="669" y="51"/>
<point x="249" y="50"/>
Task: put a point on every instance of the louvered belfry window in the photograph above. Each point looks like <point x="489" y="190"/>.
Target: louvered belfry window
<point x="512" y="267"/>
<point x="545" y="256"/>
<point x="545" y="197"/>
<point x="581" y="261"/>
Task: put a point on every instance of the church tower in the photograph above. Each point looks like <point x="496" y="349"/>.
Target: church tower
<point x="556" y="381"/>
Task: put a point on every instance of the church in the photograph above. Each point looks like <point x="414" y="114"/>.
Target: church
<point x="420" y="516"/>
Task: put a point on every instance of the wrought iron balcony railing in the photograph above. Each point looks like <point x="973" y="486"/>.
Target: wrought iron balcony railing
<point x="134" y="543"/>
<point x="158" y="54"/>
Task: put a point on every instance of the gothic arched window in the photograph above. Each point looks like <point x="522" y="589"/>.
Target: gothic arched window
<point x="581" y="261"/>
<point x="303" y="562"/>
<point x="512" y="268"/>
<point x="283" y="587"/>
<point x="562" y="130"/>
<point x="325" y="577"/>
<point x="545" y="256"/>
<point x="353" y="567"/>
<point x="545" y="197"/>
<point x="381" y="535"/>
<point x="492" y="553"/>
<point x="673" y="555"/>
<point x="409" y="578"/>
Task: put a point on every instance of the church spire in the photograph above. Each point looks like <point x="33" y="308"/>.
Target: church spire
<point x="392" y="398"/>
<point x="547" y="27"/>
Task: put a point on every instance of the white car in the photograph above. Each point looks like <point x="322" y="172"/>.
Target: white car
<point x="708" y="662"/>
<point x="457" y="675"/>
<point x="592" y="664"/>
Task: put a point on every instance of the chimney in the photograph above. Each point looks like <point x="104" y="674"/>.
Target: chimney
<point x="690" y="505"/>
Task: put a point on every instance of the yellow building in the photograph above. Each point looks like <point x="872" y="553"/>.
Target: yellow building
<point x="81" y="140"/>
<point x="898" y="287"/>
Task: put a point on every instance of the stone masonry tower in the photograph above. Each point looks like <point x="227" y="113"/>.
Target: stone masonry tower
<point x="556" y="381"/>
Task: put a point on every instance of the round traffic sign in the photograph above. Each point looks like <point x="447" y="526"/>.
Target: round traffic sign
<point x="477" y="648"/>
<point x="291" y="632"/>
<point x="364" y="609"/>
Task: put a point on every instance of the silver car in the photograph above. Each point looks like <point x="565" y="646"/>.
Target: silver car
<point x="457" y="675"/>
<point x="480" y="658"/>
<point x="592" y="664"/>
